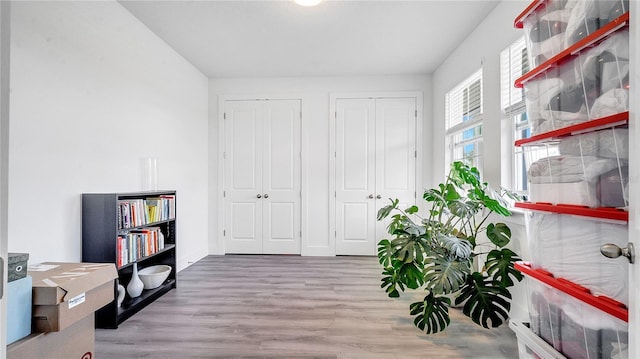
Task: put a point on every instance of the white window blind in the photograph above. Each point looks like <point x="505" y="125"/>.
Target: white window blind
<point x="463" y="112"/>
<point x="513" y="64"/>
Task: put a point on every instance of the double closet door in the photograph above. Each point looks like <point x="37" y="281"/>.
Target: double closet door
<point x="262" y="176"/>
<point x="375" y="160"/>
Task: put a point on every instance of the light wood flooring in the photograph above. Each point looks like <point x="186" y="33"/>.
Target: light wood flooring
<point x="249" y="306"/>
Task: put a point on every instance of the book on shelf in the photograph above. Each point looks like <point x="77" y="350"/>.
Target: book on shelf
<point x="137" y="244"/>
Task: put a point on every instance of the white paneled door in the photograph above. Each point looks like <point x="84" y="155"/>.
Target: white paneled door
<point x="262" y="176"/>
<point x="375" y="161"/>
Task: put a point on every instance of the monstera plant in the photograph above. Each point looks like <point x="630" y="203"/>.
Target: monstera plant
<point x="451" y="250"/>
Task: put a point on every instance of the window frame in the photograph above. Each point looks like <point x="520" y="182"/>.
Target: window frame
<point x="514" y="63"/>
<point x="464" y="112"/>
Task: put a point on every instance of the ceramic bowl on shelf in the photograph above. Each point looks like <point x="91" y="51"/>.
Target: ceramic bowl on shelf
<point x="152" y="277"/>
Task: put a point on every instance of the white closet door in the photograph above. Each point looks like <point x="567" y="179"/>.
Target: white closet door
<point x="281" y="178"/>
<point x="355" y="176"/>
<point x="243" y="177"/>
<point x="395" y="155"/>
<point x="375" y="161"/>
<point x="262" y="176"/>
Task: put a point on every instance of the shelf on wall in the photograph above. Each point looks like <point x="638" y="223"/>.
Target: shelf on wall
<point x="518" y="23"/>
<point x="166" y="248"/>
<point x="570" y="52"/>
<point x="610" y="213"/>
<point x="131" y="306"/>
<point x="581" y="293"/>
<point x="617" y="120"/>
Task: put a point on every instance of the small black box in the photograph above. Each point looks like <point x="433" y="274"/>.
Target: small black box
<point x="17" y="266"/>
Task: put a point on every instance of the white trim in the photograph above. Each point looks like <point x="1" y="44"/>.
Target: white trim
<point x="634" y="179"/>
<point x="221" y="149"/>
<point x="465" y="125"/>
<point x="5" y="47"/>
<point x="333" y="97"/>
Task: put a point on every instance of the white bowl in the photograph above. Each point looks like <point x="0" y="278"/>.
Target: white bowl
<point x="154" y="276"/>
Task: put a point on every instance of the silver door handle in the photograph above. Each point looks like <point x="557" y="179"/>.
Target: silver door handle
<point x="378" y="196"/>
<point x="611" y="250"/>
<point x="371" y="196"/>
<point x="259" y="195"/>
<point x="266" y="195"/>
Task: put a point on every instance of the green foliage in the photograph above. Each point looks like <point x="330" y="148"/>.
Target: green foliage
<point x="385" y="253"/>
<point x="500" y="267"/>
<point x="486" y="302"/>
<point x="499" y="234"/>
<point x="459" y="248"/>
<point x="445" y="275"/>
<point x="432" y="314"/>
<point x="400" y="275"/>
<point x="391" y="281"/>
<point x="436" y="253"/>
<point x="408" y="248"/>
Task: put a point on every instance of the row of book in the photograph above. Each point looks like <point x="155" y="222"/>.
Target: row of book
<point x="140" y="212"/>
<point x="138" y="244"/>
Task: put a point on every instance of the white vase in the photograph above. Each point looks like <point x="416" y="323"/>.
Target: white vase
<point x="121" y="293"/>
<point x="135" y="286"/>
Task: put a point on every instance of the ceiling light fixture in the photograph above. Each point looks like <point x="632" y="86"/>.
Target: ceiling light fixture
<point x="307" y="2"/>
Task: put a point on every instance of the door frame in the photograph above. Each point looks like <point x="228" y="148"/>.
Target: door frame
<point x="5" y="47"/>
<point x="634" y="180"/>
<point x="333" y="98"/>
<point x="221" y="150"/>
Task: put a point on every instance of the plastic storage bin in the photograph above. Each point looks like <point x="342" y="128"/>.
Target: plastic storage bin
<point x="531" y="346"/>
<point x="19" y="300"/>
<point x="590" y="169"/>
<point x="558" y="24"/>
<point x="569" y="247"/>
<point x="571" y="319"/>
<point x="592" y="85"/>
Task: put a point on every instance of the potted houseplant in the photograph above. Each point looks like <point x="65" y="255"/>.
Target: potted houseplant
<point x="440" y="251"/>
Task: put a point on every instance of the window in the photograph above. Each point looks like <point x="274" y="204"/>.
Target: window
<point x="513" y="64"/>
<point x="463" y="113"/>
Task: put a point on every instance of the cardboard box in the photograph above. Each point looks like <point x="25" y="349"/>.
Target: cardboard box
<point x="64" y="293"/>
<point x="75" y="342"/>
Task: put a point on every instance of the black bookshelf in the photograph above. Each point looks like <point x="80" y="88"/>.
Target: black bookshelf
<point x="100" y="230"/>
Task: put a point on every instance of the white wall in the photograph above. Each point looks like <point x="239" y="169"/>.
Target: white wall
<point x="482" y="50"/>
<point x="315" y="141"/>
<point x="93" y="92"/>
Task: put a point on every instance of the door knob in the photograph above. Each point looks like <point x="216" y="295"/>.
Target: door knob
<point x="259" y="195"/>
<point x="378" y="196"/>
<point x="613" y="251"/>
<point x="266" y="195"/>
<point x="371" y="196"/>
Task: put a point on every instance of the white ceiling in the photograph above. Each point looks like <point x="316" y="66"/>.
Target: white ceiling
<point x="337" y="38"/>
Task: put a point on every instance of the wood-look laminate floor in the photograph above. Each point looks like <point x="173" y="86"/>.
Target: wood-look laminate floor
<point x="248" y="306"/>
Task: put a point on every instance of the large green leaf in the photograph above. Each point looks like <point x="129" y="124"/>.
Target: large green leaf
<point x="391" y="279"/>
<point x="445" y="275"/>
<point x="411" y="275"/>
<point x="486" y="302"/>
<point x="462" y="174"/>
<point x="412" y="210"/>
<point x="386" y="210"/>
<point x="435" y="195"/>
<point x="499" y="265"/>
<point x="499" y="234"/>
<point x="409" y="248"/>
<point x="432" y="314"/>
<point x="458" y="247"/>
<point x="463" y="208"/>
<point x="385" y="252"/>
<point x="496" y="206"/>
